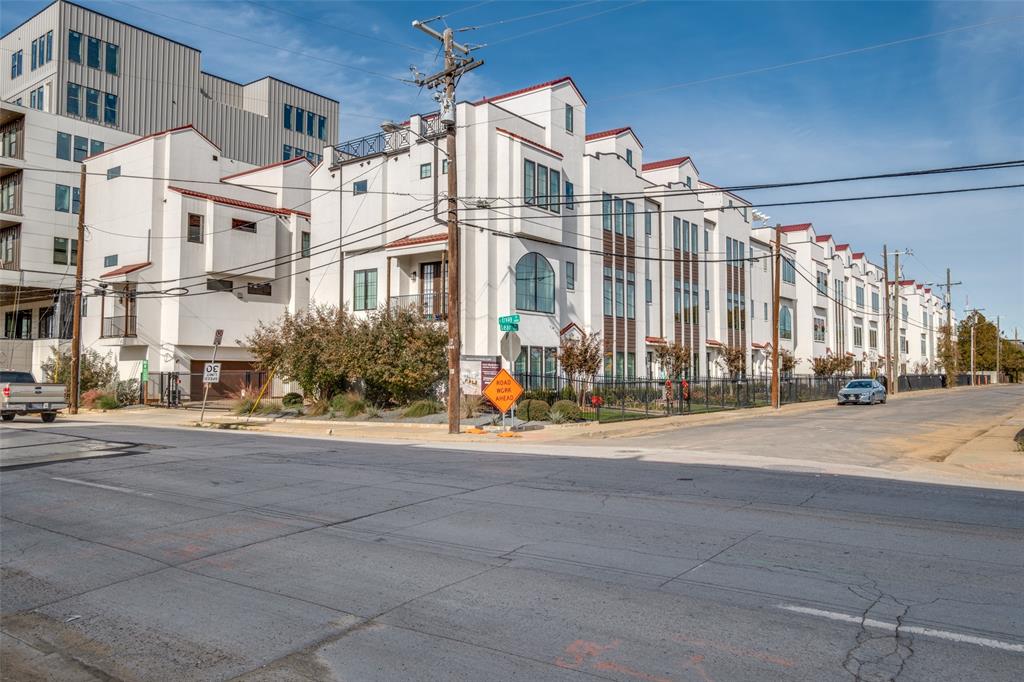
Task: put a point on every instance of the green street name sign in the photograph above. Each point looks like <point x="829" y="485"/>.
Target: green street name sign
<point x="508" y="326"/>
<point x="509" y="319"/>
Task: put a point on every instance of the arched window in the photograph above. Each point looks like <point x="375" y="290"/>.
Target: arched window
<point x="535" y="284"/>
<point x="785" y="323"/>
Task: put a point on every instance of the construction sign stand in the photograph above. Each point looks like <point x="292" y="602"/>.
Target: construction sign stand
<point x="503" y="392"/>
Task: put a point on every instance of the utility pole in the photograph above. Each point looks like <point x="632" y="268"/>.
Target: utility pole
<point x="896" y="327"/>
<point x="998" y="344"/>
<point x="454" y="68"/>
<point x="76" y="315"/>
<point x="974" y="323"/>
<point x="776" y="288"/>
<point x="888" y="321"/>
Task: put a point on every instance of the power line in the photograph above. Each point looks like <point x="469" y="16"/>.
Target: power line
<point x="560" y="24"/>
<point x="631" y="194"/>
<point x="511" y="20"/>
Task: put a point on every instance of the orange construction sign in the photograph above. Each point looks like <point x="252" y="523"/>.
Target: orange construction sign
<point x="503" y="391"/>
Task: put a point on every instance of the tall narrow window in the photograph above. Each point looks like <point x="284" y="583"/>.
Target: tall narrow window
<point x="92" y="55"/>
<point x="648" y="222"/>
<point x="529" y="180"/>
<point x="49" y="46"/>
<point x="630" y="295"/>
<point x="568" y="118"/>
<point x="620" y="294"/>
<point x="570" y="275"/>
<point x="75" y="47"/>
<point x="630" y="219"/>
<point x="607" y="291"/>
<point x="110" y="109"/>
<point x="287" y="116"/>
<point x="195" y="228"/>
<point x="300" y="119"/>
<point x="62" y="199"/>
<point x="570" y="193"/>
<point x="75" y="200"/>
<point x="34" y="53"/>
<point x="92" y="104"/>
<point x="617" y="203"/>
<point x="321" y="127"/>
<point x="81" y="147"/>
<point x="606" y="210"/>
<point x="542" y="186"/>
<point x="677" y="235"/>
<point x="554" y="191"/>
<point x="365" y="290"/>
<point x="310" y="122"/>
<point x="63" y="146"/>
<point x="629" y="156"/>
<point x="287" y="151"/>
<point x="305" y="244"/>
<point x="16" y="64"/>
<point x="113" y="54"/>
<point x="74" y="106"/>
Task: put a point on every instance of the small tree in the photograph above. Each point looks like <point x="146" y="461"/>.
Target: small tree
<point x="400" y="355"/>
<point x="787" y="362"/>
<point x="97" y="371"/>
<point x="823" y="365"/>
<point x="842" y="364"/>
<point x="674" y="359"/>
<point x="580" y="357"/>
<point x="312" y="348"/>
<point x="947" y="355"/>
<point x="734" y="360"/>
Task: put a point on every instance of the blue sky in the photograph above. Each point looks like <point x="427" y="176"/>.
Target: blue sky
<point x="952" y="99"/>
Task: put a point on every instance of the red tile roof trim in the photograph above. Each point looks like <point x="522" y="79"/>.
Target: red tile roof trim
<point x="413" y="241"/>
<point x="712" y="342"/>
<point x="614" y="132"/>
<point x="657" y="340"/>
<point x="151" y="136"/>
<point x="126" y="269"/>
<point x="667" y="163"/>
<point x="228" y="201"/>
<point x="531" y="88"/>
<point x="569" y="327"/>
<point x="823" y="238"/>
<point x="268" y="166"/>
<point x="795" y="228"/>
<point x="842" y="247"/>
<point x="530" y="142"/>
<point x="858" y="255"/>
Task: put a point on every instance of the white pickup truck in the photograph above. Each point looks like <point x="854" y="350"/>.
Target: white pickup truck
<point x="20" y="394"/>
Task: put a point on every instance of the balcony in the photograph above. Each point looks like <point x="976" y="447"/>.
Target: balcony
<point x="387" y="142"/>
<point x="118" y="327"/>
<point x="433" y="306"/>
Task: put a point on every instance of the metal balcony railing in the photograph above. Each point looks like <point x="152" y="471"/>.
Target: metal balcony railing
<point x="119" y="326"/>
<point x="387" y="142"/>
<point x="433" y="306"/>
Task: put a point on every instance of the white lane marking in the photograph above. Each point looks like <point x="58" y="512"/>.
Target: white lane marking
<point x="100" y="485"/>
<point x="912" y="629"/>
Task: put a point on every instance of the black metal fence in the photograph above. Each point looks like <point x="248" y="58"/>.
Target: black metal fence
<point x="235" y="390"/>
<point x="624" y="399"/>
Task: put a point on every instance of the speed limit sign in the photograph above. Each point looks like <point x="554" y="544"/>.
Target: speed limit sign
<point x="211" y="372"/>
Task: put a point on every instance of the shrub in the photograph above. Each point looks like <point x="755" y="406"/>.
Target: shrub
<point x="318" y="408"/>
<point x="372" y="412"/>
<point x="97" y="370"/>
<point x="567" y="411"/>
<point x="89" y="398"/>
<point x="470" y="405"/>
<point x="400" y="355"/>
<point x="292" y="399"/>
<point x="243" y="405"/>
<point x="106" y="401"/>
<point x="533" y="410"/>
<point x="126" y="392"/>
<point x="422" y="408"/>
<point x="348" y="404"/>
<point x="567" y="393"/>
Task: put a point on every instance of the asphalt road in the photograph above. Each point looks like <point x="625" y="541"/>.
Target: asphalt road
<point x="215" y="555"/>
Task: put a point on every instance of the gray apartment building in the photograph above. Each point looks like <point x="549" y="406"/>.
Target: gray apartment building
<point x="75" y="62"/>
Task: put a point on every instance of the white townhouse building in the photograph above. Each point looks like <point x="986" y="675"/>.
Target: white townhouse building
<point x="833" y="303"/>
<point x="79" y="63"/>
<point x="76" y="82"/>
<point x="39" y="227"/>
<point x="569" y="230"/>
<point x="169" y="261"/>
